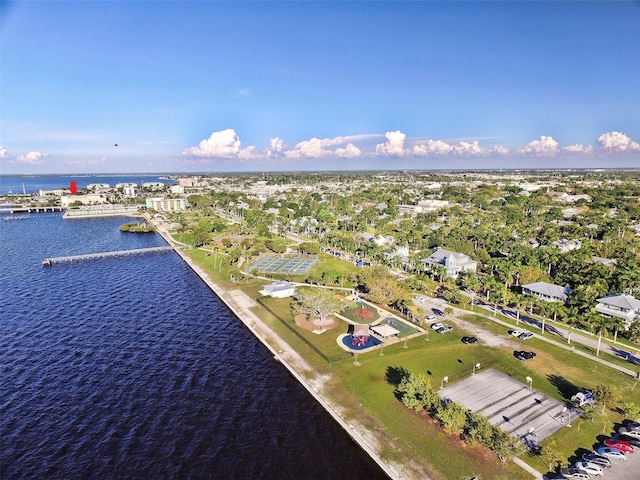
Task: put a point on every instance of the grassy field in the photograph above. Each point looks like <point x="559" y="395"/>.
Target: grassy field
<point x="364" y="393"/>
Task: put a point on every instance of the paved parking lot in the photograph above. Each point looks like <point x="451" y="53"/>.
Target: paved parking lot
<point x="628" y="469"/>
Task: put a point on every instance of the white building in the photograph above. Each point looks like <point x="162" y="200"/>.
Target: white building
<point x="89" y="199"/>
<point x="162" y="204"/>
<point x="278" y="290"/>
<point x="453" y="262"/>
<point x="620" y="306"/>
<point x="546" y="291"/>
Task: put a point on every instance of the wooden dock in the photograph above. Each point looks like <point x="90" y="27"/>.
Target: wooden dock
<point x="48" y="262"/>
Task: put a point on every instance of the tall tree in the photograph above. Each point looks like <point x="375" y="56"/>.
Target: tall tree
<point x="316" y="302"/>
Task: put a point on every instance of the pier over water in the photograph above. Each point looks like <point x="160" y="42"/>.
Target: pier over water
<point x="48" y="262"/>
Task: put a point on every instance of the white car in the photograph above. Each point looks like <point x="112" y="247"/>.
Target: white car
<point x="437" y="326"/>
<point x="574" y="474"/>
<point x="611" y="453"/>
<point x="629" y="433"/>
<point x="525" y="335"/>
<point x="588" y="467"/>
<point x="516" y="333"/>
<point x="420" y="298"/>
<point x="430" y="318"/>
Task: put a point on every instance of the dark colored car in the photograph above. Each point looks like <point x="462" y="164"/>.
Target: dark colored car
<point x="468" y="340"/>
<point x="524" y="355"/>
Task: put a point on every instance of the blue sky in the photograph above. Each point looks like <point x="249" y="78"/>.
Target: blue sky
<point x="257" y="86"/>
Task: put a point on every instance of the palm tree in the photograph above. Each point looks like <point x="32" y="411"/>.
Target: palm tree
<point x="571" y="320"/>
<point x="517" y="301"/>
<point x="602" y="328"/>
<point x="617" y="324"/>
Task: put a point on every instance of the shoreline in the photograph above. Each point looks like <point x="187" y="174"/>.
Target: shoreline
<point x="240" y="305"/>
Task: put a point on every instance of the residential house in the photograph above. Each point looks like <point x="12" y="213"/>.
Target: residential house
<point x="546" y="291"/>
<point x="625" y="307"/>
<point x="453" y="262"/>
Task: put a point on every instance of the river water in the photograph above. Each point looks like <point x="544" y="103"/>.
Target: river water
<point x="132" y="368"/>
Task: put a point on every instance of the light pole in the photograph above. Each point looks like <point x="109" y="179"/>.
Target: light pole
<point x="444" y="380"/>
<point x="476" y="366"/>
<point x="530" y="382"/>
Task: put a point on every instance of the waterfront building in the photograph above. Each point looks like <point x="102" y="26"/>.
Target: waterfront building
<point x="162" y="204"/>
<point x="278" y="290"/>
<point x="89" y="199"/>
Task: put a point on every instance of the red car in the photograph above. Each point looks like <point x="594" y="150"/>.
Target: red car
<point x="619" y="445"/>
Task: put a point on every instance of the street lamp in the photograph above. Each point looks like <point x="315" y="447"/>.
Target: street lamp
<point x="444" y="380"/>
<point x="530" y="382"/>
<point x="476" y="366"/>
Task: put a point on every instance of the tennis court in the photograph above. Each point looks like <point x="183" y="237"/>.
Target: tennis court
<point x="289" y="265"/>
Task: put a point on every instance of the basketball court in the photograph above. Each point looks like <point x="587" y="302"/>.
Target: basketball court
<point x="515" y="407"/>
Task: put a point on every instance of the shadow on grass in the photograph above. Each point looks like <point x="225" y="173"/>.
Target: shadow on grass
<point x="395" y="375"/>
<point x="564" y="386"/>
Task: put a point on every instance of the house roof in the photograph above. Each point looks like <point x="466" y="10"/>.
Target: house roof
<point x="621" y="301"/>
<point x="548" y="289"/>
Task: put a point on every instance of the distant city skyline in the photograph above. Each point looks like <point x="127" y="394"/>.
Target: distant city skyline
<point x="217" y="86"/>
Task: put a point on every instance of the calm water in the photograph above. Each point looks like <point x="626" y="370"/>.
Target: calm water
<point x="132" y="368"/>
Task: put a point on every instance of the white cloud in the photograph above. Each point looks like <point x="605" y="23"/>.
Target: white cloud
<point x="222" y="144"/>
<point x="468" y="149"/>
<point x="244" y="92"/>
<point x="616" y="142"/>
<point x="545" y="147"/>
<point x="31" y="158"/>
<point x="320" y="147"/>
<point x="432" y="147"/>
<point x="394" y="146"/>
<point x="3" y="152"/>
<point x="350" y="151"/>
<point x="578" y="148"/>
<point x="501" y="150"/>
<point x="277" y="147"/>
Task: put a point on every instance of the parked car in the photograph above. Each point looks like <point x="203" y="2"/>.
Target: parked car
<point x="516" y="333"/>
<point x="633" y="426"/>
<point x="597" y="459"/>
<point x="629" y="433"/>
<point x="611" y="453"/>
<point x="436" y="326"/>
<point x="574" y="473"/>
<point x="588" y="467"/>
<point x="444" y="329"/>
<point x="420" y="298"/>
<point x="468" y="340"/>
<point x="635" y="442"/>
<point x="525" y="335"/>
<point x="430" y="318"/>
<point x="583" y="398"/>
<point x="618" y="444"/>
<point x="524" y="355"/>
